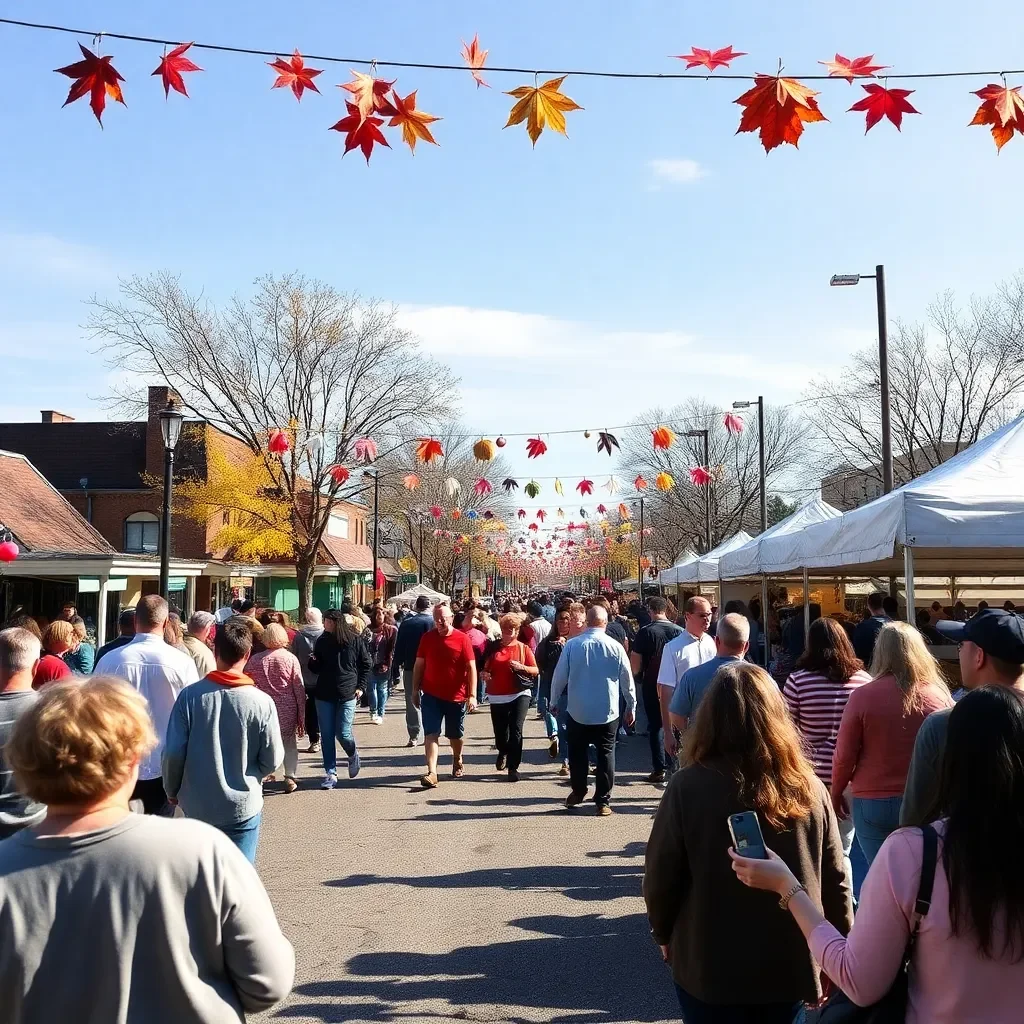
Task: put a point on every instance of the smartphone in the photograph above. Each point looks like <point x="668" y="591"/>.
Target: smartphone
<point x="746" y="835"/>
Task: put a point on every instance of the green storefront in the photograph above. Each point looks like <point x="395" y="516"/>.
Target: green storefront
<point x="282" y="593"/>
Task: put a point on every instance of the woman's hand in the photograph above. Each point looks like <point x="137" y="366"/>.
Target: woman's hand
<point x="516" y="666"/>
<point x="772" y="874"/>
<point x="666" y="953"/>
<point x="841" y="807"/>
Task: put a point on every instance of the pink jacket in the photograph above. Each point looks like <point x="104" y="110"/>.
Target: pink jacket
<point x="277" y="674"/>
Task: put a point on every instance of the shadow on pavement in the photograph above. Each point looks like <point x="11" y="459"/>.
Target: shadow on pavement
<point x="609" y="971"/>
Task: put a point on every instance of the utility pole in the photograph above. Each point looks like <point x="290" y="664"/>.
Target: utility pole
<point x="640" y="556"/>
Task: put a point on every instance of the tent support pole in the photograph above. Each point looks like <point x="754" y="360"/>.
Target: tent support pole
<point x="908" y="581"/>
<point x="764" y="617"/>
<point x="807" y="606"/>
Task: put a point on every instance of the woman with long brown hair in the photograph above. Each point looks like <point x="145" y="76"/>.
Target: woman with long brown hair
<point x="878" y="730"/>
<point x="736" y="959"/>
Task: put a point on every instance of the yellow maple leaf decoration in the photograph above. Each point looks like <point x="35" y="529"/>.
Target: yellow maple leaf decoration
<point x="541" y="107"/>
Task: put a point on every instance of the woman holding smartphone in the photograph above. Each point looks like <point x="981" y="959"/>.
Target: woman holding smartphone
<point x="968" y="959"/>
<point x="735" y="959"/>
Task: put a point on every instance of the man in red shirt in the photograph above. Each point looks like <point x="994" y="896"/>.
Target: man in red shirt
<point x="444" y="688"/>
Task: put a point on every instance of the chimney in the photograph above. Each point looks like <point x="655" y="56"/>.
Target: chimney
<point x="52" y="416"/>
<point x="159" y="395"/>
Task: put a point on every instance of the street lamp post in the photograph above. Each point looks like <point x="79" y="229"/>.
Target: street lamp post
<point x="707" y="488"/>
<point x="640" y="556"/>
<point x="764" y="505"/>
<point x="170" y="430"/>
<point x="846" y="280"/>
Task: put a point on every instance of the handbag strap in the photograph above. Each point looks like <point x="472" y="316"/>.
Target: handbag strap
<point x="929" y="858"/>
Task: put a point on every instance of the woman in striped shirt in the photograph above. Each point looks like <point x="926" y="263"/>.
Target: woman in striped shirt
<point x="816" y="693"/>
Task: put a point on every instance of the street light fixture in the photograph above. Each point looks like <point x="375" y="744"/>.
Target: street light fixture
<point x="842" y="280"/>
<point x="170" y="430"/>
<point x="707" y="489"/>
<point x="376" y="520"/>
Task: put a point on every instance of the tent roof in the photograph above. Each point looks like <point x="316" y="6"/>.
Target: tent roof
<point x="775" y="544"/>
<point x="705" y="568"/>
<point x="965" y="517"/>
<point x="420" y="590"/>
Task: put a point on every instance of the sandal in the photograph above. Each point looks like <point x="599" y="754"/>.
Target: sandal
<point x="457" y="769"/>
<point x="428" y="781"/>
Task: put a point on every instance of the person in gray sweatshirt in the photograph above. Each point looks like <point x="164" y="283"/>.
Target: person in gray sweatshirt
<point x="302" y="647"/>
<point x="223" y="739"/>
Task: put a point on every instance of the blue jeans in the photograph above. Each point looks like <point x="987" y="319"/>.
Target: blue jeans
<point x="874" y="819"/>
<point x="378" y="693"/>
<point x="245" y="835"/>
<point x="544" y="708"/>
<point x="335" y="718"/>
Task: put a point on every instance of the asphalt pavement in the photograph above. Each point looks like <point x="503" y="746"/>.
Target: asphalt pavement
<point x="482" y="900"/>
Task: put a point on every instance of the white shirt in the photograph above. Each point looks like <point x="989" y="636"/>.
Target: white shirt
<point x="541" y="627"/>
<point x="683" y="653"/>
<point x="158" y="671"/>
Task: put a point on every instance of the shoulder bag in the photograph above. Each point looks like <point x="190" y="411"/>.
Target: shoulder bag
<point x="522" y="680"/>
<point x="892" y="1007"/>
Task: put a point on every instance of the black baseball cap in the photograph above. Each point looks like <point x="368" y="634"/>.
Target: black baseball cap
<point x="998" y="633"/>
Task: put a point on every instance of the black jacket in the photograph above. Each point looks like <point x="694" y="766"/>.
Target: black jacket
<point x="548" y="653"/>
<point x="407" y="643"/>
<point x="340" y="671"/>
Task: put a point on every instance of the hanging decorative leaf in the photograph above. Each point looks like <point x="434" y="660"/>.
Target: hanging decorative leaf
<point x="699" y="476"/>
<point x="558" y="487"/>
<point x="534" y="527"/>
<point x="488" y="514"/>
<point x="606" y="442"/>
<point x="293" y="74"/>
<point x="733" y="423"/>
<point x="411" y="481"/>
<point x="710" y="59"/>
<point x="277" y="442"/>
<point x="96" y="77"/>
<point x="532" y="489"/>
<point x="361" y="133"/>
<point x="601" y="510"/>
<point x="585" y="487"/>
<point x="535" y="447"/>
<point x="339" y="474"/>
<point x="366" y="450"/>
<point x="859" y="67"/>
<point x="664" y="482"/>
<point x="452" y="486"/>
<point x="584" y="514"/>
<point x="521" y="513"/>
<point x="881" y="102"/>
<point x="170" y="69"/>
<point x="475" y="58"/>
<point x="778" y="108"/>
<point x="623" y="511"/>
<point x="510" y="485"/>
<point x="371" y="95"/>
<point x="414" y="123"/>
<point x="640" y="483"/>
<point x="428" y="449"/>
<point x="561" y="514"/>
<point x="456" y="513"/>
<point x="612" y="485"/>
<point x="663" y="437"/>
<point x="484" y="450"/>
<point x="541" y="107"/>
<point x="482" y="488"/>
<point x="541" y="514"/>
<point x="436" y="511"/>
<point x="1003" y="109"/>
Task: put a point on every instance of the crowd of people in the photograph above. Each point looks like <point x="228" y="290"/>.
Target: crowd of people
<point x="865" y="741"/>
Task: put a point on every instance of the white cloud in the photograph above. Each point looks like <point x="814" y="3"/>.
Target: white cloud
<point x="675" y="172"/>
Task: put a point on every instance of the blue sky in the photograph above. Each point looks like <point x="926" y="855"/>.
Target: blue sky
<point x="651" y="256"/>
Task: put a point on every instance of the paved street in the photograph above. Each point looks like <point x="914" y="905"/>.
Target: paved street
<point x="481" y="900"/>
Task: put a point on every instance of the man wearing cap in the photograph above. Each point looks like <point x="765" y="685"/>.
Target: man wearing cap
<point x="991" y="647"/>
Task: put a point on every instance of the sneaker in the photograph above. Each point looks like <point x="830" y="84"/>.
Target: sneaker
<point x="500" y="762"/>
<point x="353" y="765"/>
<point x="553" y="748"/>
<point x="622" y="734"/>
<point x="656" y="778"/>
<point x="411" y="743"/>
<point x="603" y="811"/>
<point x="313" y="748"/>
<point x="513" y="775"/>
<point x="564" y="770"/>
<point x="330" y="781"/>
<point x="574" y="800"/>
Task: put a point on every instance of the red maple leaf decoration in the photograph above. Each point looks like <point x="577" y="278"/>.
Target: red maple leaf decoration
<point x="171" y="67"/>
<point x="521" y="513"/>
<point x="428" y="448"/>
<point x="370" y="94"/>
<point x="1003" y="109"/>
<point x="881" y="102"/>
<point x="778" y="108"/>
<point x="640" y="483"/>
<point x="585" y="487"/>
<point x="700" y="477"/>
<point x="339" y="474"/>
<point x="475" y="58"/>
<point x="710" y="59"/>
<point x="95" y="76"/>
<point x="858" y="67"/>
<point x="361" y="132"/>
<point x="293" y="74"/>
<point x="535" y="447"/>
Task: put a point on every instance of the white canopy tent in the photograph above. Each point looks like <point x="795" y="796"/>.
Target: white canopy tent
<point x="420" y="590"/>
<point x="666" y="576"/>
<point x="705" y="568"/>
<point x="775" y="544"/>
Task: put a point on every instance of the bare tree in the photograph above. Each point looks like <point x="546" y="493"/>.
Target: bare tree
<point x="296" y="355"/>
<point x="951" y="380"/>
<point x="677" y="516"/>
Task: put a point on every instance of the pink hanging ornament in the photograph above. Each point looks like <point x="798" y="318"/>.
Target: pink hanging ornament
<point x="733" y="423"/>
<point x="277" y="442"/>
<point x="8" y="551"/>
<point x="482" y="488"/>
<point x="365" y="449"/>
<point x="699" y="476"/>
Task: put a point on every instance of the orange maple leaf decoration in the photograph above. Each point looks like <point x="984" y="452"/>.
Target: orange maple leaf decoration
<point x="359" y="131"/>
<point x="94" y="76"/>
<point x="710" y="59"/>
<point x="535" y="447"/>
<point x="664" y="481"/>
<point x="541" y="107"/>
<point x="881" y="102"/>
<point x="412" y="121"/>
<point x="170" y="69"/>
<point x="640" y="483"/>
<point x="428" y="449"/>
<point x="370" y="94"/>
<point x="663" y="437"/>
<point x="858" y="67"/>
<point x="778" y="108"/>
<point x="1003" y="109"/>
<point x="475" y="58"/>
<point x="293" y="74"/>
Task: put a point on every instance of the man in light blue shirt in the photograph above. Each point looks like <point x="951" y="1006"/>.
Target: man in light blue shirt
<point x="595" y="670"/>
<point x="731" y="640"/>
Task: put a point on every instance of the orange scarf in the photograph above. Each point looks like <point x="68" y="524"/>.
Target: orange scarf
<point x="229" y="678"/>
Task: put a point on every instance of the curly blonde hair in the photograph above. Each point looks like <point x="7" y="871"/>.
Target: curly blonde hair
<point x="275" y="636"/>
<point x="79" y="741"/>
<point x="58" y="634"/>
